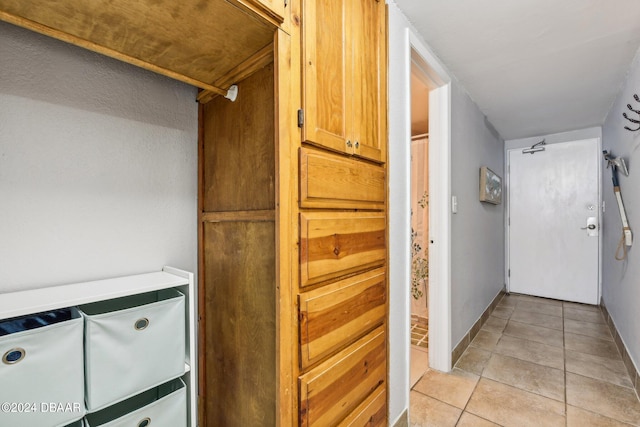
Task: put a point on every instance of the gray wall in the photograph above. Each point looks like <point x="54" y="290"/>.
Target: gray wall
<point x="620" y="280"/>
<point x="477" y="247"/>
<point x="98" y="166"/>
<point x="477" y="230"/>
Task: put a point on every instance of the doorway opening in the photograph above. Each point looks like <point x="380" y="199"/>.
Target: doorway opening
<point x="420" y="88"/>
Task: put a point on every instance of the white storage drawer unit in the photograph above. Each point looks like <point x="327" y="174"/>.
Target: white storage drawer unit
<point x="162" y="406"/>
<point x="41" y="372"/>
<point x="132" y="344"/>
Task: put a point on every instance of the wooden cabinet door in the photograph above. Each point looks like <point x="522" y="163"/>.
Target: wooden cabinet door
<point x="366" y="32"/>
<point x="333" y="181"/>
<point x="334" y="389"/>
<point x="324" y="73"/>
<point x="334" y="244"/>
<point x="336" y="314"/>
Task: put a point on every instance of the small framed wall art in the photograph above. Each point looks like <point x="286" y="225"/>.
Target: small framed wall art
<point x="490" y="186"/>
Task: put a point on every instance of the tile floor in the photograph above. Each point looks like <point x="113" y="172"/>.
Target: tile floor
<point x="535" y="362"/>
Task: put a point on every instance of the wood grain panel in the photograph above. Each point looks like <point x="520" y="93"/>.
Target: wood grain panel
<point x="240" y="319"/>
<point x="239" y="154"/>
<point x="332" y="390"/>
<point x="271" y="10"/>
<point x="336" y="314"/>
<point x="371" y="413"/>
<point x="324" y="73"/>
<point x="367" y="32"/>
<point x="200" y="39"/>
<point x="333" y="244"/>
<point x="333" y="181"/>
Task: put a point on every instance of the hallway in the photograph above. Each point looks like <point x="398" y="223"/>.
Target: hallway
<point x="535" y="362"/>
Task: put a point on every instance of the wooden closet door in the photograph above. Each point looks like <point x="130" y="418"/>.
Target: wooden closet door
<point x="368" y="65"/>
<point x="324" y="76"/>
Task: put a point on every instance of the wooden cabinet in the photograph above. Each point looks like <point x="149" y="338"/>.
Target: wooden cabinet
<point x="334" y="315"/>
<point x="344" y="76"/>
<point x="292" y="220"/>
<point x="334" y="389"/>
<point x="333" y="244"/>
<point x="332" y="181"/>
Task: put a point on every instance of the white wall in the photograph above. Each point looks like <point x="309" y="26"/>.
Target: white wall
<point x="477" y="246"/>
<point x="98" y="166"/>
<point x="621" y="286"/>
<point x="477" y="230"/>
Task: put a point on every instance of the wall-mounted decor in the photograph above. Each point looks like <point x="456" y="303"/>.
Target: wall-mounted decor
<point x="490" y="186"/>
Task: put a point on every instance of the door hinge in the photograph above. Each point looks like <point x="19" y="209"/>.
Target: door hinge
<point x="509" y="273"/>
<point x="300" y="118"/>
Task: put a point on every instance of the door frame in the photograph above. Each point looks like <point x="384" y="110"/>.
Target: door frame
<point x="439" y="204"/>
<point x="550" y="140"/>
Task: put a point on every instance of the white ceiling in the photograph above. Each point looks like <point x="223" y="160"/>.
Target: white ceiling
<point x="533" y="67"/>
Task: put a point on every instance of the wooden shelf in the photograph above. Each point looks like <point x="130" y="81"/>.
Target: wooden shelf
<point x="38" y="300"/>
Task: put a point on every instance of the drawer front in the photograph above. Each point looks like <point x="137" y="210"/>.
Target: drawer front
<point x="333" y="244"/>
<point x="335" y="388"/>
<point x="372" y="412"/>
<point x="332" y="316"/>
<point x="331" y="181"/>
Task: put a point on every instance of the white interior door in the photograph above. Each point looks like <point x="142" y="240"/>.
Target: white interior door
<point x="554" y="221"/>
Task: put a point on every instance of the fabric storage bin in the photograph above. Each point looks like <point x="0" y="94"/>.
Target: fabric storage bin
<point x="132" y="344"/>
<point x="41" y="370"/>
<point x="163" y="406"/>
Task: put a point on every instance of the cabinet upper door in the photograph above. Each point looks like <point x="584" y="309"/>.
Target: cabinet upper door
<point x="344" y="76"/>
<point x="366" y="32"/>
<point x="324" y="60"/>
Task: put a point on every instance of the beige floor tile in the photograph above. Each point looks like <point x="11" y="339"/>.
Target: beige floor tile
<point x="494" y="324"/>
<point x="539" y="300"/>
<point x="419" y="364"/>
<point x="591" y="345"/>
<point x="508" y="301"/>
<point x="470" y="420"/>
<point x="600" y="368"/>
<point x="531" y="351"/>
<point x="474" y="360"/>
<point x="453" y="389"/>
<point x="548" y="309"/>
<point x="535" y="333"/>
<point x="578" y="306"/>
<point x="542" y="380"/>
<point x="509" y="406"/>
<point x="502" y="312"/>
<point x="597" y="330"/>
<point x="538" y="319"/>
<point x="577" y="417"/>
<point x="486" y="340"/>
<point x="428" y="412"/>
<point x="583" y="315"/>
<point x="619" y="403"/>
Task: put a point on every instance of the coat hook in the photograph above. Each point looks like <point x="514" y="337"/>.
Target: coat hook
<point x="637" y="98"/>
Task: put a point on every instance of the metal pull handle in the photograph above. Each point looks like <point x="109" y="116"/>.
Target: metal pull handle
<point x="349" y="144"/>
<point x="589" y="227"/>
<point x="357" y="144"/>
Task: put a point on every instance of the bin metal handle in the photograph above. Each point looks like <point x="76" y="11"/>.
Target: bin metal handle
<point x="14" y="356"/>
<point x="140" y="325"/>
<point x="145" y="422"/>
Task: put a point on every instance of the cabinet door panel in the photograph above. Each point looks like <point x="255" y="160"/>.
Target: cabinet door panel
<point x="324" y="73"/>
<point x="336" y="387"/>
<point x="332" y="181"/>
<point x="367" y="66"/>
<point x="371" y="413"/>
<point x="332" y="316"/>
<point x="333" y="244"/>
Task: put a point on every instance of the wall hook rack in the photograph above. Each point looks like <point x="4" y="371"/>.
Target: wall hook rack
<point x="635" y="121"/>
